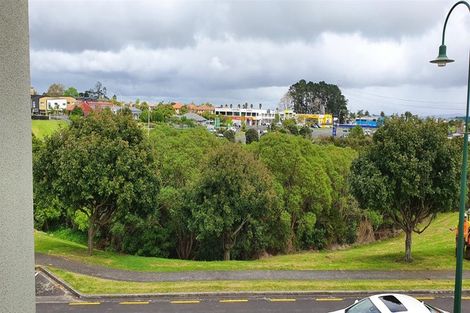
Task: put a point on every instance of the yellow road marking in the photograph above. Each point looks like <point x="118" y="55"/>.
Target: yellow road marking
<point x="233" y="300"/>
<point x="185" y="302"/>
<point x="282" y="300"/>
<point x="134" y="302"/>
<point x="425" y="298"/>
<point x="84" y="303"/>
<point x="465" y="298"/>
<point x="329" y="299"/>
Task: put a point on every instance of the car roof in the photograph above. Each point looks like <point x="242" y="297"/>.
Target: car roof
<point x="411" y="304"/>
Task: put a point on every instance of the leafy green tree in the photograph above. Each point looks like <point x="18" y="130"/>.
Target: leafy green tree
<point x="409" y="173"/>
<point x="145" y="115"/>
<point x="291" y="126"/>
<point x="180" y="155"/>
<point x="77" y="112"/>
<point x="229" y="135"/>
<point x="162" y="113"/>
<point x="234" y="193"/>
<point x="309" y="97"/>
<point x="100" y="165"/>
<point x="305" y="131"/>
<point x="357" y="132"/>
<point x="55" y="90"/>
<point x="251" y="135"/>
<point x="48" y="210"/>
<point x="298" y="167"/>
<point x="71" y="92"/>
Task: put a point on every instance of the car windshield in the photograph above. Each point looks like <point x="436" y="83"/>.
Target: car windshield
<point x="363" y="306"/>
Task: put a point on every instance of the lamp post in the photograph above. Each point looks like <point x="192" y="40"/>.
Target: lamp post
<point x="441" y="61"/>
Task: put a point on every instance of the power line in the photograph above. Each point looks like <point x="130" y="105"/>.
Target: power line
<point x="412" y="106"/>
<point x="402" y="99"/>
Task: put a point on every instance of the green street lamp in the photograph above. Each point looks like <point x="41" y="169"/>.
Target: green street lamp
<point x="442" y="60"/>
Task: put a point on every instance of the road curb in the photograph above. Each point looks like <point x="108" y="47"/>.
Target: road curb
<point x="61" y="282"/>
<point x="230" y="294"/>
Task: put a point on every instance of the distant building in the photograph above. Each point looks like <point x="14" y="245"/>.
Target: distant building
<point x="35" y="104"/>
<point x="177" y="106"/>
<point x="369" y="125"/>
<point x="372" y="121"/>
<point x="48" y="104"/>
<point x="195" y="117"/>
<point x="200" y="109"/>
<point x="321" y="120"/>
<point x="134" y="111"/>
<point x="252" y="117"/>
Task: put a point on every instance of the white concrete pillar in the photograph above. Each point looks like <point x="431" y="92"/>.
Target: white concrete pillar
<point x="16" y="201"/>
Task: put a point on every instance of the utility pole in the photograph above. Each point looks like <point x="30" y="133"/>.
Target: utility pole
<point x="16" y="181"/>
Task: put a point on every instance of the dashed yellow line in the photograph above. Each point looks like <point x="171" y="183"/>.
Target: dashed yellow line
<point x="465" y="298"/>
<point x="328" y="299"/>
<point x="425" y="298"/>
<point x="185" y="302"/>
<point x="134" y="302"/>
<point x="233" y="300"/>
<point x="84" y="303"/>
<point x="282" y="300"/>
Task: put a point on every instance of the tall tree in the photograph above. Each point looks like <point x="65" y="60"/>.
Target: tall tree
<point x="71" y="92"/>
<point x="306" y="188"/>
<point x="251" y="135"/>
<point x="180" y="155"/>
<point x="100" y="165"/>
<point x="235" y="192"/>
<point x="55" y="90"/>
<point x="409" y="173"/>
<point x="311" y="98"/>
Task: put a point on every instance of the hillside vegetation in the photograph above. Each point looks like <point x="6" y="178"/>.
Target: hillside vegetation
<point x="433" y="250"/>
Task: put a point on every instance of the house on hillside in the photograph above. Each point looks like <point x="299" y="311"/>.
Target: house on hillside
<point x="195" y="118"/>
<point x="177" y="106"/>
<point x="55" y="104"/>
<point x="134" y="111"/>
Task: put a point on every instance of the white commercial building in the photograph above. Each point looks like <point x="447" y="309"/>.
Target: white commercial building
<point x="253" y="117"/>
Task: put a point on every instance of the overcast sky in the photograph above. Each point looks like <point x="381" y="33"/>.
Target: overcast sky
<point x="377" y="52"/>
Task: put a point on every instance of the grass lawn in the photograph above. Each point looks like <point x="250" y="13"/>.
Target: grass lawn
<point x="432" y="250"/>
<point x="43" y="128"/>
<point x="90" y="285"/>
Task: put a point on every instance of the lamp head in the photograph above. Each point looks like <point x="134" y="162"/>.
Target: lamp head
<point x="442" y="58"/>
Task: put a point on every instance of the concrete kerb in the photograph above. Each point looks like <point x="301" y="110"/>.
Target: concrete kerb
<point x="61" y="282"/>
<point x="231" y="294"/>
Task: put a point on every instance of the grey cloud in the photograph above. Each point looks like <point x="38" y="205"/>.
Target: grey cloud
<point x="237" y="51"/>
<point x="111" y="25"/>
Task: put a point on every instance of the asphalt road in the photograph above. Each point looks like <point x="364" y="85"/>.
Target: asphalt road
<point x="233" y="305"/>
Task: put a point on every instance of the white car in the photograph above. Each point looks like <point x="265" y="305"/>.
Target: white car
<point x="390" y="303"/>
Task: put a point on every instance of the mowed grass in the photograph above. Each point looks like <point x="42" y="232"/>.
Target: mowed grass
<point x="44" y="128"/>
<point x="432" y="250"/>
<point x="91" y="285"/>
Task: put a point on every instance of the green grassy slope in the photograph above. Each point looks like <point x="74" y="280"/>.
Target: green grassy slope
<point x="42" y="128"/>
<point x="92" y="285"/>
<point x="432" y="250"/>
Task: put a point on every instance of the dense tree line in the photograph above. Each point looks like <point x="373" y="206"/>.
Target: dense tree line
<point x="185" y="193"/>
